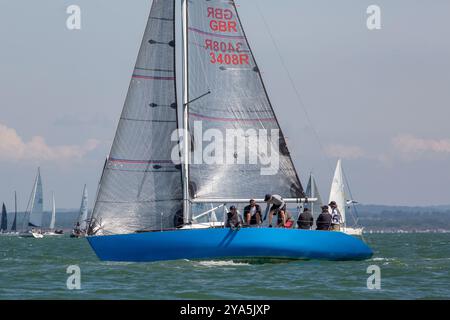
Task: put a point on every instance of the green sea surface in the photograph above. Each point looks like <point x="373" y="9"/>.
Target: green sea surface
<point x="412" y="266"/>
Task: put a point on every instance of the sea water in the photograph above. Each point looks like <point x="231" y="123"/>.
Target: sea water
<point x="412" y="266"/>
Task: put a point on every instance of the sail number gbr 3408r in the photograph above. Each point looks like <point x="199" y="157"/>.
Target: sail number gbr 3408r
<point x="227" y="52"/>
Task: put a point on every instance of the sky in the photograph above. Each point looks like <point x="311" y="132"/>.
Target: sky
<point x="377" y="99"/>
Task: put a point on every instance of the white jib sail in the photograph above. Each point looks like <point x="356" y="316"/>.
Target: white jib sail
<point x="52" y="221"/>
<point x="337" y="192"/>
<point x="37" y="206"/>
<point x="83" y="209"/>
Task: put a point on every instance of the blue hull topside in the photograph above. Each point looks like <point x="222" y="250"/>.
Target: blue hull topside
<point x="217" y="243"/>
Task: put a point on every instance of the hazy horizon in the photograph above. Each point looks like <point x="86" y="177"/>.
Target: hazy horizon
<point x="438" y="206"/>
<point x="377" y="99"/>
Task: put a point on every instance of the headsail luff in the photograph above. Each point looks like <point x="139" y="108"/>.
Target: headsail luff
<point x="337" y="192"/>
<point x="220" y="61"/>
<point x="141" y="187"/>
<point x="37" y="204"/>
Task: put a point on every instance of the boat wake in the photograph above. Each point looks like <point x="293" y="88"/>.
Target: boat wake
<point x="243" y="262"/>
<point x="383" y="259"/>
<point x="220" y="263"/>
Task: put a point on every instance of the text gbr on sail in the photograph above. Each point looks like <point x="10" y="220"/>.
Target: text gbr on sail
<point x="221" y="20"/>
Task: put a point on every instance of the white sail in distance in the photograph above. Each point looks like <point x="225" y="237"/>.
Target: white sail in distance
<point x="37" y="204"/>
<point x="313" y="192"/>
<point x="82" y="218"/>
<point x="52" y="221"/>
<point x="337" y="192"/>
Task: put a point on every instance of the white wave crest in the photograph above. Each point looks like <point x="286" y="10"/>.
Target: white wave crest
<point x="219" y="263"/>
<point x="383" y="259"/>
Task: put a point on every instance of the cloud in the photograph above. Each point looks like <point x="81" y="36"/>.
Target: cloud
<point x="413" y="145"/>
<point x="13" y="148"/>
<point x="344" y="152"/>
<point x="404" y="147"/>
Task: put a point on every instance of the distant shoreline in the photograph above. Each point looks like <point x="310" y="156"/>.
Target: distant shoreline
<point x="403" y="231"/>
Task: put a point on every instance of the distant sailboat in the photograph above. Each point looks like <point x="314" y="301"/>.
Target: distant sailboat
<point x="14" y="224"/>
<point x="52" y="231"/>
<point x="313" y="192"/>
<point x="34" y="225"/>
<point x="337" y="194"/>
<point x="81" y="224"/>
<point x="52" y="221"/>
<point x="4" y="223"/>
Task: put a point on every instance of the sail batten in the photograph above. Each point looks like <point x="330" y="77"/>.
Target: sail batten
<point x="139" y="180"/>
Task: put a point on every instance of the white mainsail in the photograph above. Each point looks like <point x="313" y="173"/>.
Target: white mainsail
<point x="82" y="218"/>
<point x="52" y="221"/>
<point x="223" y="72"/>
<point x="37" y="203"/>
<point x="337" y="192"/>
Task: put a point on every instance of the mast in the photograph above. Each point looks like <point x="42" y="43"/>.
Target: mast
<point x="186" y="141"/>
<point x="313" y="192"/>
